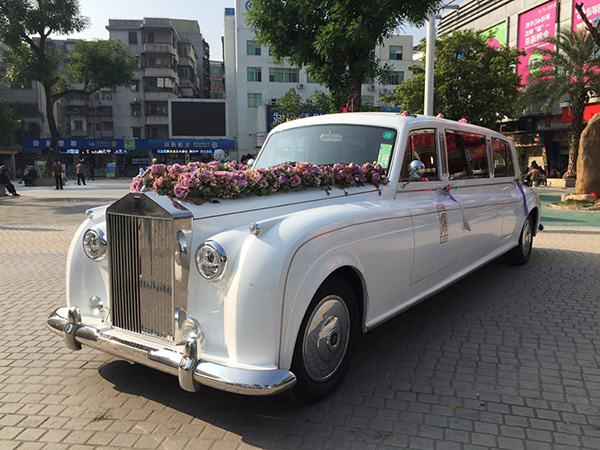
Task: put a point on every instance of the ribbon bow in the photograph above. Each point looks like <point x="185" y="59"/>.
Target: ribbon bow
<point x="448" y="194"/>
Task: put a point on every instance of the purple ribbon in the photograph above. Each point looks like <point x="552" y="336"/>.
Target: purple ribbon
<point x="524" y="199"/>
<point x="462" y="211"/>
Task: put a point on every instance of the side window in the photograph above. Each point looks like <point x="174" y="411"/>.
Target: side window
<point x="466" y="155"/>
<point x="421" y="145"/>
<point x="503" y="164"/>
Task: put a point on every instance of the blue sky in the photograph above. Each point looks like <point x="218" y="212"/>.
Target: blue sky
<point x="208" y="13"/>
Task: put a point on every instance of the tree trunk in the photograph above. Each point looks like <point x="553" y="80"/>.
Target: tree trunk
<point x="354" y="97"/>
<point x="54" y="132"/>
<point x="575" y="133"/>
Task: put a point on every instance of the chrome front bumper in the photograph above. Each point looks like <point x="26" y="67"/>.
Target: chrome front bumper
<point x="190" y="370"/>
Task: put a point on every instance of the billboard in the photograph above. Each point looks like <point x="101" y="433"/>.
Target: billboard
<point x="498" y="37"/>
<point x="197" y="118"/>
<point x="592" y="11"/>
<point x="535" y="25"/>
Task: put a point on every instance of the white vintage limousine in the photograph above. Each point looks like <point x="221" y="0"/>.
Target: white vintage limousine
<point x="201" y="274"/>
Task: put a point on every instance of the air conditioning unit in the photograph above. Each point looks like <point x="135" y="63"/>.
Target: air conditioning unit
<point x="136" y="100"/>
<point x="300" y="86"/>
<point x="137" y="113"/>
<point x="273" y="102"/>
<point x="371" y="87"/>
<point x="385" y="91"/>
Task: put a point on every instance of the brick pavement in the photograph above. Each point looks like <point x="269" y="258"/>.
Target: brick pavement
<point x="506" y="358"/>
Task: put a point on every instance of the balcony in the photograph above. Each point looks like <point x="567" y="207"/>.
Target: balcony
<point x="160" y="48"/>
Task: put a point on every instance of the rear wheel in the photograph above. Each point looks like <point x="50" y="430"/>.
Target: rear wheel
<point x="326" y="341"/>
<point x="521" y="253"/>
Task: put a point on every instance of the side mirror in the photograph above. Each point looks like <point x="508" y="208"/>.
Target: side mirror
<point x="416" y="169"/>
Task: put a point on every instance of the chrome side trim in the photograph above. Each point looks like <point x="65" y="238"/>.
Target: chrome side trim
<point x="169" y="360"/>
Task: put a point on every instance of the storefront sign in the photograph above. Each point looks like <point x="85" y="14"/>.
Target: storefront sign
<point x="535" y="25"/>
<point x="111" y="169"/>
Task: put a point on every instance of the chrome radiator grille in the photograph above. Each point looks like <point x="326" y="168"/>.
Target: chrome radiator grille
<point x="141" y="252"/>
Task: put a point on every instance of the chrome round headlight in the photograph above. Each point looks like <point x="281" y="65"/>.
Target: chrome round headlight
<point x="210" y="260"/>
<point x="94" y="244"/>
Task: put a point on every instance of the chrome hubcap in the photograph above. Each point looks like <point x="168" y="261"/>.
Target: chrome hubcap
<point x="527" y="239"/>
<point x="326" y="338"/>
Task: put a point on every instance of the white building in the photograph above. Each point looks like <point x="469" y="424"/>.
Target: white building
<point x="254" y="81"/>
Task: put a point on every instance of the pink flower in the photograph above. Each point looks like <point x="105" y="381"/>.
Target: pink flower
<point x="181" y="191"/>
<point x="206" y="176"/>
<point x="295" y="181"/>
<point x="175" y="169"/>
<point x="136" y="185"/>
<point x="156" y="169"/>
<point x="376" y="177"/>
<point x="159" y="183"/>
<point x="187" y="180"/>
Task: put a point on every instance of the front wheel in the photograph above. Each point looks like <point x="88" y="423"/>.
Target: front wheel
<point x="325" y="343"/>
<point x="521" y="253"/>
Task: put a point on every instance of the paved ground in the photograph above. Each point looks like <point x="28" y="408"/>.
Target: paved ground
<point x="507" y="358"/>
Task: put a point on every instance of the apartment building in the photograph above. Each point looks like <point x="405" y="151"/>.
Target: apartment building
<point x="254" y="81"/>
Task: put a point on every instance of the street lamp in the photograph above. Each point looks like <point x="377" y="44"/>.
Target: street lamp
<point x="429" y="59"/>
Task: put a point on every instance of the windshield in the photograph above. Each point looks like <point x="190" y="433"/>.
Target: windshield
<point x="327" y="145"/>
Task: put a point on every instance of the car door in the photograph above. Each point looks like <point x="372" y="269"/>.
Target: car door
<point x="436" y="220"/>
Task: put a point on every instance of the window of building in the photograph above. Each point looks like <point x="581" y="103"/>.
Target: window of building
<point x="135" y="86"/>
<point x="396" y="52"/>
<point x="369" y="80"/>
<point x="466" y="155"/>
<point x="368" y="99"/>
<point x="394" y="78"/>
<point x="254" y="100"/>
<point x="184" y="49"/>
<point x="216" y="84"/>
<point x="136" y="109"/>
<point x="284" y="75"/>
<point x="150" y="38"/>
<point x="98" y="126"/>
<point x="107" y="126"/>
<point x="254" y="74"/>
<point x="421" y="146"/>
<point x="185" y="72"/>
<point x="217" y="95"/>
<point x="252" y="48"/>
<point x="136" y="132"/>
<point x="310" y="79"/>
<point x="164" y="82"/>
<point x="78" y="125"/>
<point x="503" y="164"/>
<point x="106" y="95"/>
<point x="133" y="37"/>
<point x="216" y="70"/>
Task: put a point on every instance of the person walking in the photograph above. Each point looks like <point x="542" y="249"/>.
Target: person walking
<point x="80" y="171"/>
<point x="5" y="180"/>
<point x="92" y="171"/>
<point x="534" y="174"/>
<point x="57" y="170"/>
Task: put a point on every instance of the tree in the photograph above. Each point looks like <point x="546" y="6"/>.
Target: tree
<point x="472" y="80"/>
<point x="334" y="39"/>
<point x="291" y="106"/>
<point x="25" y="26"/>
<point x="9" y="123"/>
<point x="570" y="72"/>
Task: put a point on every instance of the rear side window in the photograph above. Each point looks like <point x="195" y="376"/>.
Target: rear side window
<point x="503" y="163"/>
<point x="466" y="155"/>
<point x="421" y="145"/>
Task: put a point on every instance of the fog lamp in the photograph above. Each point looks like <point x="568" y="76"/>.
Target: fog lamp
<point x="191" y="328"/>
<point x="95" y="304"/>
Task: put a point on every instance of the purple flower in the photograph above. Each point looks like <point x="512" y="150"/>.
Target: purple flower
<point x="295" y="181"/>
<point x="282" y="179"/>
<point x="376" y="177"/>
<point x="159" y="183"/>
<point x="226" y="176"/>
<point x="187" y="180"/>
<point x="206" y="176"/>
<point x="181" y="191"/>
<point x="350" y="180"/>
<point x="262" y="182"/>
<point x="175" y="169"/>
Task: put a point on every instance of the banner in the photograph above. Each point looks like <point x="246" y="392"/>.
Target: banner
<point x="498" y="37"/>
<point x="111" y="169"/>
<point x="592" y="11"/>
<point x="535" y="25"/>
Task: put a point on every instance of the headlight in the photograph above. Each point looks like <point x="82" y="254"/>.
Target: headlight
<point x="94" y="244"/>
<point x="210" y="260"/>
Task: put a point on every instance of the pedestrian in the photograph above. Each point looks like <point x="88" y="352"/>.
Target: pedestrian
<point x="534" y="174"/>
<point x="92" y="171"/>
<point x="57" y="170"/>
<point x="5" y="180"/>
<point x="80" y="171"/>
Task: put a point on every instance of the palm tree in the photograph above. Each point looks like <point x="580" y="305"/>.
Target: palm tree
<point x="571" y="71"/>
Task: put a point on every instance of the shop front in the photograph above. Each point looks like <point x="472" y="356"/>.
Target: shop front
<point x="119" y="158"/>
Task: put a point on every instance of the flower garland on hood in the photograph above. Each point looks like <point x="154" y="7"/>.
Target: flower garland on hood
<point x="200" y="182"/>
